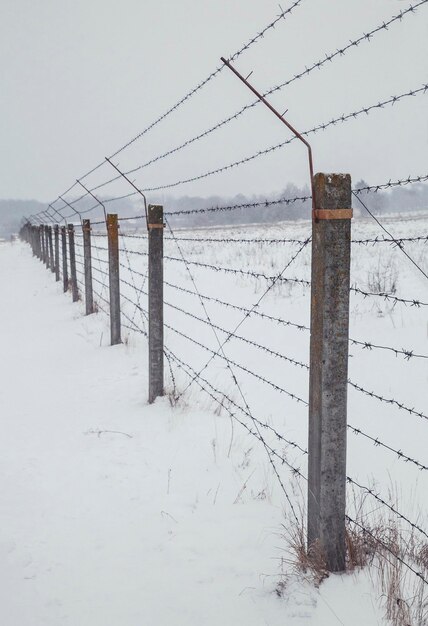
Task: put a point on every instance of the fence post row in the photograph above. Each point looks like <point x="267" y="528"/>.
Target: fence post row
<point x="331" y="253"/>
<point x="72" y="252"/>
<point x="155" y="227"/>
<point x="87" y="260"/>
<point x="56" y="232"/>
<point x="114" y="285"/>
<point x="64" y="259"/>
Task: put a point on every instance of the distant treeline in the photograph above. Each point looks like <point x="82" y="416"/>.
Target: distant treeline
<point x="400" y="199"/>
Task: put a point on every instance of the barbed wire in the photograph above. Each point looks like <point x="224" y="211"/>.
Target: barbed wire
<point x="238" y="365"/>
<point x="317" y="65"/>
<point x="139" y="291"/>
<point x="408" y="354"/>
<point x="100" y="271"/>
<point x="210" y="77"/>
<point x="396" y="403"/>
<point x="141" y="235"/>
<point x="242" y="309"/>
<point x="378" y="498"/>
<point x="94" y="247"/>
<point x="395" y="241"/>
<point x="298" y="363"/>
<point x="301" y="281"/>
<point x="387" y="548"/>
<point x="229" y="364"/>
<point x="99" y="295"/>
<point x="238" y="271"/>
<point x="372" y="394"/>
<point x="341" y="119"/>
<point x="327" y="58"/>
<point x="364" y="344"/>
<point x="263" y="295"/>
<point x="389" y="185"/>
<point x="256" y="240"/>
<point x="400" y="246"/>
<point x="357" y="431"/>
<point x="242" y="205"/>
<point x="377" y="442"/>
<point x="250" y="342"/>
<point x="268" y="203"/>
<point x="388" y="296"/>
<point x="186" y="97"/>
<point x="187" y="368"/>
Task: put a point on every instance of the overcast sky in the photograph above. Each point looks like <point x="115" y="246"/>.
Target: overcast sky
<point x="81" y="77"/>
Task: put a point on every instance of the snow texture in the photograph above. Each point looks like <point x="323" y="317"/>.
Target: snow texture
<point x="114" y="512"/>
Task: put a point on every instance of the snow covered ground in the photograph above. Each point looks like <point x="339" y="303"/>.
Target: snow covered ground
<point x="117" y="512"/>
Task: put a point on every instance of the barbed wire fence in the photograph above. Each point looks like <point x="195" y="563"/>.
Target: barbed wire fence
<point x="121" y="269"/>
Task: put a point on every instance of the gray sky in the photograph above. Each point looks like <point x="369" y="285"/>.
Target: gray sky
<point x="81" y="77"/>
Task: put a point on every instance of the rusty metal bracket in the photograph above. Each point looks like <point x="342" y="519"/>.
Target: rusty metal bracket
<point x="150" y="226"/>
<point x="333" y="214"/>
<point x="94" y="197"/>
<point x="132" y="185"/>
<point x="284" y="121"/>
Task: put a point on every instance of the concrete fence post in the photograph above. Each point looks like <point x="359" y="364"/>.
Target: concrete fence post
<point x="33" y="239"/>
<point x="56" y="237"/>
<point x="42" y="242"/>
<point x="46" y="237"/>
<point x="51" y="251"/>
<point x="73" y="274"/>
<point x="87" y="260"/>
<point x="155" y="234"/>
<point x="64" y="259"/>
<point x="39" y="243"/>
<point x="114" y="281"/>
<point x="331" y="253"/>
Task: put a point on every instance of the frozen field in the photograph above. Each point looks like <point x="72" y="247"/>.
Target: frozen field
<point x="117" y="512"/>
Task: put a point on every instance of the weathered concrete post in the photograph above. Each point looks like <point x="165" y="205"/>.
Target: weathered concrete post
<point x="56" y="235"/>
<point x="33" y="239"/>
<point x="87" y="260"/>
<point x="46" y="237"/>
<point x="42" y="241"/>
<point x="39" y="242"/>
<point x="64" y="259"/>
<point x="51" y="252"/>
<point x="114" y="282"/>
<point x="156" y="374"/>
<point x="73" y="274"/>
<point x="331" y="253"/>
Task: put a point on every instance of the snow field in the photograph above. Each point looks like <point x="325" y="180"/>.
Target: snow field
<point x="175" y="516"/>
